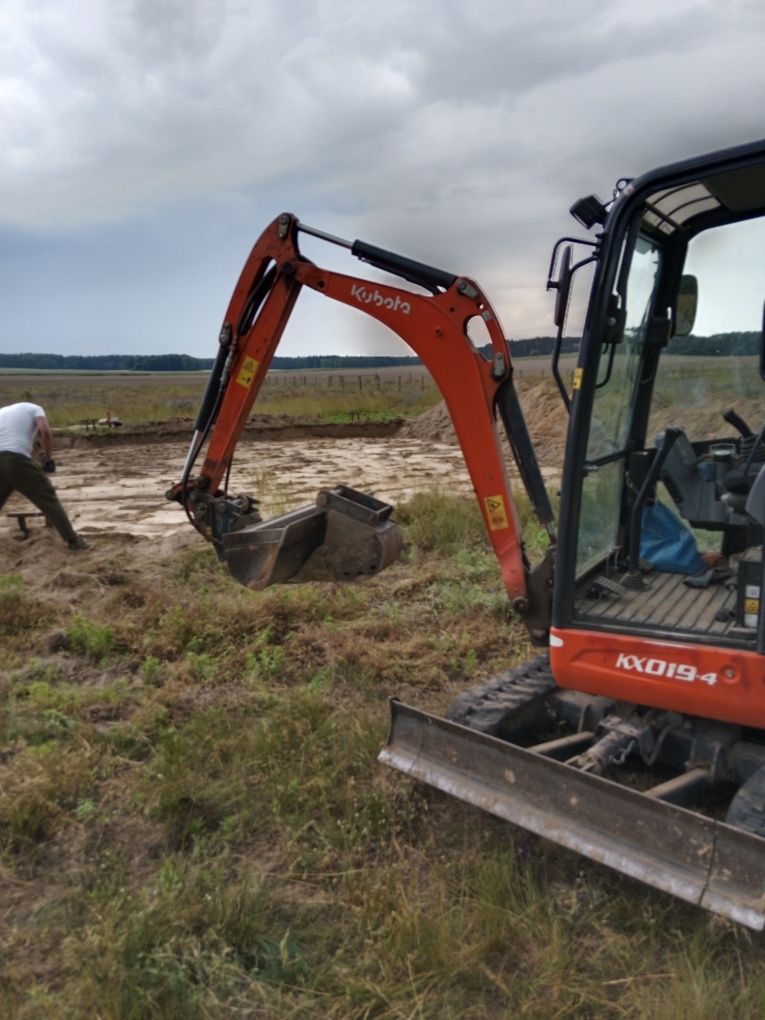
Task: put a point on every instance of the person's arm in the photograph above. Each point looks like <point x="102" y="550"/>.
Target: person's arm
<point x="46" y="437"/>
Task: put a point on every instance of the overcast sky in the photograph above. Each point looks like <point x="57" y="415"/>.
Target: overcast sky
<point x="147" y="143"/>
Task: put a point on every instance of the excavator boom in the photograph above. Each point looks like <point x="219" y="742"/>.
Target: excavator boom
<point x="348" y="535"/>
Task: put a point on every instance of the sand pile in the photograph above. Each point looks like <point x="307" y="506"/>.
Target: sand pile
<point x="543" y="410"/>
<point x="434" y="425"/>
<point x="547" y="420"/>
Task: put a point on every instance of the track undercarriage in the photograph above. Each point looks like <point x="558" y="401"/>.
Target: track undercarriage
<point x="674" y="801"/>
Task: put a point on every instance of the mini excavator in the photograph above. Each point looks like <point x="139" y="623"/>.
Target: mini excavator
<point x="636" y="735"/>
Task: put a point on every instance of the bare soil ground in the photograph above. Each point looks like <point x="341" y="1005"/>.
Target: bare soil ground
<point x="118" y="488"/>
<point x="113" y="481"/>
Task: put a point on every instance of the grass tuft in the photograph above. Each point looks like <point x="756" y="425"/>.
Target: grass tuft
<point x="90" y="638"/>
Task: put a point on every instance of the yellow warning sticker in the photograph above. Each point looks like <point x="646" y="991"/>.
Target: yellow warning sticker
<point x="577" y="380"/>
<point x="751" y="606"/>
<point x="496" y="512"/>
<point x="247" y="372"/>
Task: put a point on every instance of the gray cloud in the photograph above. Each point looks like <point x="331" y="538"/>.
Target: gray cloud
<point x="147" y="143"/>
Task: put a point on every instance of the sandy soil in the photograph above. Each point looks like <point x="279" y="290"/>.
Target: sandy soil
<point x="120" y="489"/>
<point x="113" y="482"/>
<point x="543" y="410"/>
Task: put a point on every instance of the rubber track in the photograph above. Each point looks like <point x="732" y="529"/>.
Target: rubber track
<point x="747" y="809"/>
<point x="487" y="706"/>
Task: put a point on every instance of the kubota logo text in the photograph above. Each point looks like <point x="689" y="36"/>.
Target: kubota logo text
<point x="374" y="297"/>
<point x="661" y="668"/>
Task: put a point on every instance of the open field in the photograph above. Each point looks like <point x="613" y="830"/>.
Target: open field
<point x="192" y="820"/>
<point x="137" y="398"/>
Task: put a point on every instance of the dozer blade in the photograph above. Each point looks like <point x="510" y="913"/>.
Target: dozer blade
<point x="347" y="535"/>
<point x="696" y="858"/>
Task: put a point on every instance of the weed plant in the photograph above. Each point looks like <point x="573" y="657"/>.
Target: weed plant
<point x="90" y="638"/>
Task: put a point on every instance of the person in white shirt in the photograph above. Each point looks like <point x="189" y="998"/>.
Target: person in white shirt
<point x="20" y="425"/>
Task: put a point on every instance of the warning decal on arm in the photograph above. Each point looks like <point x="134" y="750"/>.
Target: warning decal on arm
<point x="246" y="373"/>
<point x="496" y="512"/>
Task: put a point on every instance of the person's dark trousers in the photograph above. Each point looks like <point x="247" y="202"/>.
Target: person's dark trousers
<point x="20" y="474"/>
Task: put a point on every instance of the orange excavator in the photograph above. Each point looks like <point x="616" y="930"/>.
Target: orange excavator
<point x="636" y="735"/>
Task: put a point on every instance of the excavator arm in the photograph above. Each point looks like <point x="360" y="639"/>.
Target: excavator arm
<point x="348" y="534"/>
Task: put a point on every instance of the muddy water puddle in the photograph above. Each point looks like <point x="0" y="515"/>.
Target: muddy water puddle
<point x="121" y="489"/>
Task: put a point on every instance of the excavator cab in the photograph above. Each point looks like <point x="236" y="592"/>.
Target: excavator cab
<point x="639" y="739"/>
<point x="661" y="525"/>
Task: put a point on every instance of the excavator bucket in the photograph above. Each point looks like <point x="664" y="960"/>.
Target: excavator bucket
<point x="696" y="858"/>
<point x="346" y="536"/>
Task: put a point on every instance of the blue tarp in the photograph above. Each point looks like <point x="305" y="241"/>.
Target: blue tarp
<point x="667" y="544"/>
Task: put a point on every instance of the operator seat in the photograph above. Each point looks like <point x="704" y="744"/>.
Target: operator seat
<point x="755" y="501"/>
<point x="740" y="480"/>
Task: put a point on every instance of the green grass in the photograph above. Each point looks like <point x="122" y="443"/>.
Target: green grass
<point x="344" y="407"/>
<point x="193" y="823"/>
<point x="92" y="639"/>
<point x="71" y="398"/>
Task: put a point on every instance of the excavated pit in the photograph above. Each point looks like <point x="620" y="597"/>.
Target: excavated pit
<point x="113" y="481"/>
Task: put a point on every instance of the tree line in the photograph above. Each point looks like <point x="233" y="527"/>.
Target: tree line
<point x="106" y="362"/>
<point x="187" y="363"/>
<point x="181" y="362"/>
<point x="719" y="344"/>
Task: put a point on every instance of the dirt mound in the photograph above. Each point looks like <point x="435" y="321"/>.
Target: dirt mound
<point x="48" y="567"/>
<point x="543" y="409"/>
<point x="547" y="421"/>
<point x="434" y="425"/>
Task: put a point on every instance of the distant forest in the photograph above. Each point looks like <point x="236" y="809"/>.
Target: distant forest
<point x="718" y="345"/>
<point x="721" y="344"/>
<point x="185" y="363"/>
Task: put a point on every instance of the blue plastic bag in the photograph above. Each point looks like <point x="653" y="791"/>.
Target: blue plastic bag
<point x="667" y="544"/>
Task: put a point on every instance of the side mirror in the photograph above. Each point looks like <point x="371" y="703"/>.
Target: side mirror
<point x="563" y="287"/>
<point x="687" y="302"/>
